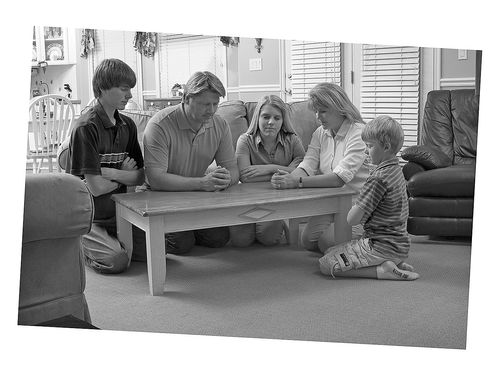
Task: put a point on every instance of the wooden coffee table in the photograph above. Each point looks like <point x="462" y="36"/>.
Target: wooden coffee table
<point x="158" y="213"/>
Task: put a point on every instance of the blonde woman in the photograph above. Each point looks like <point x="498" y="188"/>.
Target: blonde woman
<point x="335" y="158"/>
<point x="269" y="145"/>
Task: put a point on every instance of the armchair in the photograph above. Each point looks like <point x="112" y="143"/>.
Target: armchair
<point x="58" y="209"/>
<point x="441" y="170"/>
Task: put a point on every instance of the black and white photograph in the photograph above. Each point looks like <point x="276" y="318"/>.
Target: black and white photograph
<point x="233" y="198"/>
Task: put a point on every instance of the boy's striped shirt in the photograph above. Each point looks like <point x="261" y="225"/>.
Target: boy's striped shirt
<point x="385" y="203"/>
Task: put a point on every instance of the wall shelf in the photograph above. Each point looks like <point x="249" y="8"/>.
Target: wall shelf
<point x="160" y="103"/>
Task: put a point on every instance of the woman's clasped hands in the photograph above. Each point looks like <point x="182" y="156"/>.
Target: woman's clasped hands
<point x="284" y="180"/>
<point x="255" y="170"/>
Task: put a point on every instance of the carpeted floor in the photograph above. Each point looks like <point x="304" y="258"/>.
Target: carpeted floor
<point x="279" y="293"/>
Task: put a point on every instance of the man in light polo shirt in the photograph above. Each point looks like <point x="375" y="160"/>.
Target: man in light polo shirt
<point x="180" y="142"/>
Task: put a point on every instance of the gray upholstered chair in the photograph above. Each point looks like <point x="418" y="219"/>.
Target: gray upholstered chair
<point x="58" y="209"/>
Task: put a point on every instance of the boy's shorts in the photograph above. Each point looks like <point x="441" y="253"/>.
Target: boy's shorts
<point x="352" y="255"/>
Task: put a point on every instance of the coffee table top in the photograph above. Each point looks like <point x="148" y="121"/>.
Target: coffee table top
<point x="151" y="203"/>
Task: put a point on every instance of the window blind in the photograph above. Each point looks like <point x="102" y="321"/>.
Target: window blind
<point x="390" y="85"/>
<point x="181" y="55"/>
<point x="312" y="63"/>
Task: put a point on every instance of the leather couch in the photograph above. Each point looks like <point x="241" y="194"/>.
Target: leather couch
<point x="58" y="209"/>
<point x="238" y="115"/>
<point x="441" y="169"/>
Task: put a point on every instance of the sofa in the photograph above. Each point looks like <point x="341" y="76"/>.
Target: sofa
<point x="58" y="209"/>
<point x="237" y="114"/>
<point x="440" y="171"/>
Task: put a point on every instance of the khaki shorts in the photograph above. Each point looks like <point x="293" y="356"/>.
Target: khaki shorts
<point x="355" y="254"/>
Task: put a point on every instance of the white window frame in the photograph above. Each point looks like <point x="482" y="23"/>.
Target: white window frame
<point x="187" y="43"/>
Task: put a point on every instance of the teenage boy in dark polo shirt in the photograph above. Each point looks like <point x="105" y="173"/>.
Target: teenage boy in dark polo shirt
<point x="104" y="151"/>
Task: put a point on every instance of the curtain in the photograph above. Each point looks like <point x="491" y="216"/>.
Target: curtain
<point x="145" y="43"/>
<point x="87" y="43"/>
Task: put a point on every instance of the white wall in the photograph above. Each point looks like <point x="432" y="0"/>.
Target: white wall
<point x="441" y="68"/>
<point x="55" y="77"/>
<point x="457" y="69"/>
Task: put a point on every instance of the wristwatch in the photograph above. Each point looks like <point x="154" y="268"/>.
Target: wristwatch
<point x="300" y="183"/>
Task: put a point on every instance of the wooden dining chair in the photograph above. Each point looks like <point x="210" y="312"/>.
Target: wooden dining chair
<point x="51" y="118"/>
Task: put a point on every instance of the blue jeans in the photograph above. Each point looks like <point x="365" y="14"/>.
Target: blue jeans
<point x="266" y="233"/>
<point x="181" y="242"/>
<point x="101" y="249"/>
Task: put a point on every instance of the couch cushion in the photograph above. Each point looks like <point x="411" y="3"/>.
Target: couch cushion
<point x="464" y="113"/>
<point x="453" y="181"/>
<point x="436" y="129"/>
<point x="304" y="121"/>
<point x="140" y="119"/>
<point x="63" y="153"/>
<point x="440" y="226"/>
<point x="235" y="114"/>
<point x="250" y="110"/>
<point x="450" y="207"/>
<point x="239" y="115"/>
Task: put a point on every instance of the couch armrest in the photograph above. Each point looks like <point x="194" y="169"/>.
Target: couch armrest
<point x="56" y="205"/>
<point x="453" y="181"/>
<point x="412" y="168"/>
<point x="426" y="156"/>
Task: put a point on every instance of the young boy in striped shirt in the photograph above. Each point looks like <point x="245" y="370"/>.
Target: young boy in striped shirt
<point x="382" y="209"/>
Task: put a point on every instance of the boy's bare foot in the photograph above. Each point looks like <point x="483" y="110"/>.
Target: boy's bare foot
<point x="389" y="270"/>
<point x="405" y="266"/>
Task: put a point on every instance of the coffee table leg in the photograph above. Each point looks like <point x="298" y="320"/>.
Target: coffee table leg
<point x="124" y="232"/>
<point x="155" y="250"/>
<point x="293" y="225"/>
<point x="342" y="230"/>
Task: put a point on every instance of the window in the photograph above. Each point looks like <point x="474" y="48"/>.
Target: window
<point x="115" y="44"/>
<point x="312" y="63"/>
<point x="181" y="55"/>
<point x="390" y="84"/>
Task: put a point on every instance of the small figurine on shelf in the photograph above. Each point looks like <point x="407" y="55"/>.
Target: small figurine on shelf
<point x="68" y="90"/>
